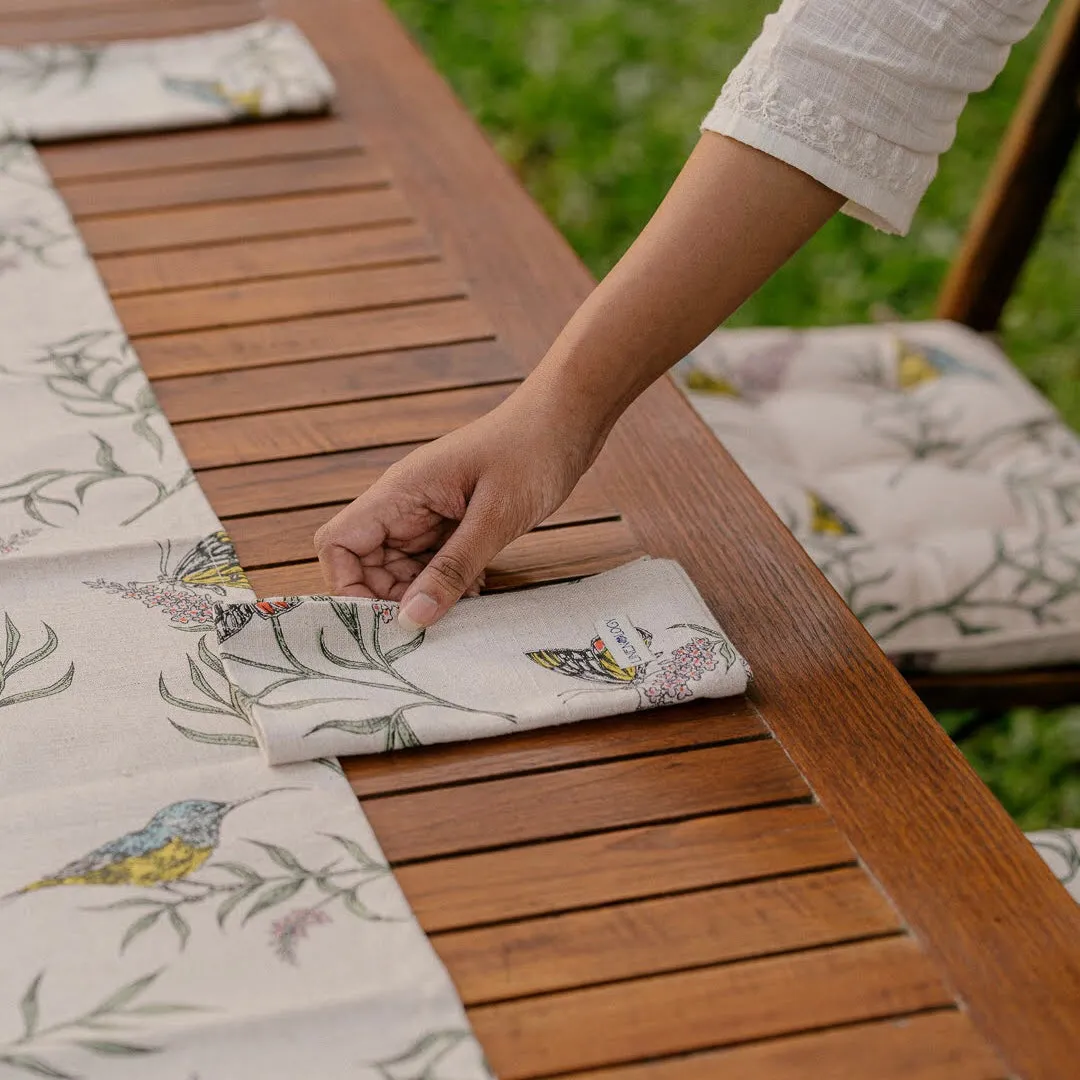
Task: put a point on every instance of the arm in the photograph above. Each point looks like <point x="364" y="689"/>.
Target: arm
<point x="732" y="217"/>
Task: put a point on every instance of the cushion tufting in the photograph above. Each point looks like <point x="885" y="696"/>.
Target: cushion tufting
<point x="935" y="487"/>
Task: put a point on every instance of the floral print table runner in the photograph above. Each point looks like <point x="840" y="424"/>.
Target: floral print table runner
<point x="171" y="907"/>
<point x="324" y="676"/>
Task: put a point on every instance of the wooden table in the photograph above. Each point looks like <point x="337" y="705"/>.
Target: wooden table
<point x="807" y="883"/>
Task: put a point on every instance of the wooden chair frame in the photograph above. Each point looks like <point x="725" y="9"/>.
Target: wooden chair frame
<point x="1001" y="236"/>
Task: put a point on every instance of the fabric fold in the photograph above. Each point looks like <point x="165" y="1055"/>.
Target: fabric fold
<point x="326" y="676"/>
<point x="61" y="91"/>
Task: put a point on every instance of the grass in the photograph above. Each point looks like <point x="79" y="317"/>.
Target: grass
<point x="596" y="104"/>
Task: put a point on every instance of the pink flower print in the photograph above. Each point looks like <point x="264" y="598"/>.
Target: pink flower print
<point x="384" y="610"/>
<point x="286" y="933"/>
<point x="185" y="607"/>
<point x="681" y="667"/>
<point x="16" y="541"/>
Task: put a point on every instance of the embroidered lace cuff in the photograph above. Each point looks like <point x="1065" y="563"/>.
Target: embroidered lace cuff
<point x="882" y="181"/>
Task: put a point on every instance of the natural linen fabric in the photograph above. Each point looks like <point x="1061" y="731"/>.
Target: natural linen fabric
<point x="936" y="489"/>
<point x="864" y="96"/>
<point x="58" y="91"/>
<point x="171" y="907"/>
<point x="329" y="676"/>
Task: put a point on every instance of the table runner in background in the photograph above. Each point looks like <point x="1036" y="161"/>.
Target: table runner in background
<point x="172" y="907"/>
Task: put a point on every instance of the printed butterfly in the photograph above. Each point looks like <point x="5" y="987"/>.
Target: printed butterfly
<point x="210" y="564"/>
<point x="595" y="664"/>
<point x="230" y="620"/>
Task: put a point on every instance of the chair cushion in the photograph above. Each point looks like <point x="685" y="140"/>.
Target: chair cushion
<point x="934" y="486"/>
<point x="1060" y="849"/>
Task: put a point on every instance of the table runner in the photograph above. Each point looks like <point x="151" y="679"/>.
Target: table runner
<point x="331" y="675"/>
<point x="172" y="907"/>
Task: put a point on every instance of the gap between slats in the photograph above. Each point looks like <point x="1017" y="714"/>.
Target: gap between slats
<point x="108" y="158"/>
<point x="551" y="555"/>
<point x="322" y="429"/>
<point x="704" y="1009"/>
<point x="262" y="303"/>
<point x="489" y="814"/>
<point x="638" y="862"/>
<point x="639" y="938"/>
<point x="446" y="322"/>
<point x="279" y="216"/>
<point x="264" y="259"/>
<point x="696" y="724"/>
<point x="117" y="197"/>
<point x="932" y="1045"/>
<point x="335" y="381"/>
<point x="278" y="538"/>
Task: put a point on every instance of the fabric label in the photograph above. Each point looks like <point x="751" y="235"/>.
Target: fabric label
<point x="624" y="642"/>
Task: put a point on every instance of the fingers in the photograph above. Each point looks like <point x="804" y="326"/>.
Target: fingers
<point x="375" y="546"/>
<point x="342" y="571"/>
<point x="456" y="569"/>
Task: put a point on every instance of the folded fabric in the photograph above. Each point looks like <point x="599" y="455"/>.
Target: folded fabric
<point x="60" y="91"/>
<point x="321" y="675"/>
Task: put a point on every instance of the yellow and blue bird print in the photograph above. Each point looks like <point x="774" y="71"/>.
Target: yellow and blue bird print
<point x="240" y="103"/>
<point x="919" y="364"/>
<point x="826" y="519"/>
<point x="174" y="843"/>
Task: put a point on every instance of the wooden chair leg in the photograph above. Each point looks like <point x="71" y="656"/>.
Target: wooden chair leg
<point x="1031" y="160"/>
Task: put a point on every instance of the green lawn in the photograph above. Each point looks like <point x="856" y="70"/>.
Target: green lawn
<point x="596" y="104"/>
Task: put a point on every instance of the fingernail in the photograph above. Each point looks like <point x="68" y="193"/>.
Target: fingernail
<point x="417" y="612"/>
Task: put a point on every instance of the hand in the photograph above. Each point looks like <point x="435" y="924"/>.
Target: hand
<point x="426" y="529"/>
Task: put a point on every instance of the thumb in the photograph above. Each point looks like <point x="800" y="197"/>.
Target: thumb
<point x="453" y="568"/>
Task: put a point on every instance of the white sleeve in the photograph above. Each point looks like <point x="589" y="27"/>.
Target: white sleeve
<point x="864" y="94"/>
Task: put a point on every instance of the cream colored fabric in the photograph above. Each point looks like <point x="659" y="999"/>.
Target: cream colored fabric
<point x="864" y="96"/>
<point x="170" y="907"/>
<point x="58" y="91"/>
<point x="1060" y="849"/>
<point x="938" y="491"/>
<point x="338" y="676"/>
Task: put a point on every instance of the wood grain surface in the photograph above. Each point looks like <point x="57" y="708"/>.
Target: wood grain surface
<point x="804" y="882"/>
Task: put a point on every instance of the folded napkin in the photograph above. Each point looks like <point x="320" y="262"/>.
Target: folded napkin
<point x="327" y="676"/>
<point x="57" y="91"/>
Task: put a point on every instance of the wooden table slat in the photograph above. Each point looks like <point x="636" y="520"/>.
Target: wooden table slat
<point x="284" y="215"/>
<point x="196" y="149"/>
<point x="325" y="428"/>
<point x="550" y="555"/>
<point x="315" y="338"/>
<point x="711" y="1007"/>
<point x="305" y="481"/>
<point x="91" y="26"/>
<point x="64" y="9"/>
<point x="670" y="933"/>
<point x="933" y="1046"/>
<point x="259" y="259"/>
<point x="286" y="298"/>
<point x="649" y="860"/>
<point x="237" y="182"/>
<point x="286" y="536"/>
<point x="495" y="813"/>
<point x="544" y="749"/>
<point x="341" y="379"/>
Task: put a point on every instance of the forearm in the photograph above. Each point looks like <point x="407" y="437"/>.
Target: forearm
<point x="733" y="216"/>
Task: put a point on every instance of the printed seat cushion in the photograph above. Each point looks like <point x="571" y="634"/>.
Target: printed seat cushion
<point x="937" y="489"/>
